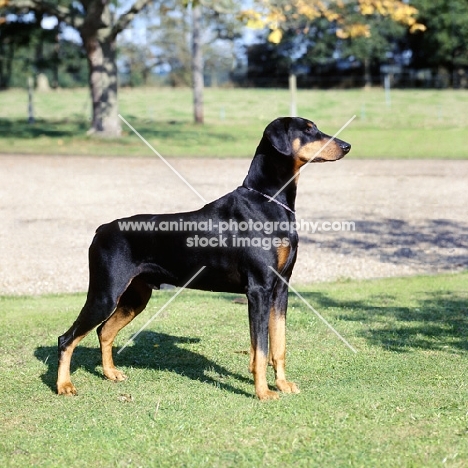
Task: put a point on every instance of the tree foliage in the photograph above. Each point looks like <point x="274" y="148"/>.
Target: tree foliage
<point x="98" y="24"/>
<point x="26" y="49"/>
<point x="278" y="15"/>
<point x="315" y="30"/>
<point x="163" y="44"/>
<point x="445" y="41"/>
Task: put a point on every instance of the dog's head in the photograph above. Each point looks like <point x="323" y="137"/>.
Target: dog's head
<point x="301" y="139"/>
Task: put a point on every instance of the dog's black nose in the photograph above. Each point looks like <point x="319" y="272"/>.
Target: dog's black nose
<point x="346" y="147"/>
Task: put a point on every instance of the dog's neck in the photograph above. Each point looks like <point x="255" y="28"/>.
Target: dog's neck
<point x="269" y="172"/>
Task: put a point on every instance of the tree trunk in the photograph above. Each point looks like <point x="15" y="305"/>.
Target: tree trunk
<point x="103" y="85"/>
<point x="197" y="64"/>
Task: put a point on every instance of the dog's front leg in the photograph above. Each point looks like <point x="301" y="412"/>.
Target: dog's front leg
<point x="277" y="332"/>
<point x="259" y="311"/>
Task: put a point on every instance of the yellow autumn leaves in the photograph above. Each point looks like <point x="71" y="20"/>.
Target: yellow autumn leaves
<point x="397" y="10"/>
<point x="272" y="16"/>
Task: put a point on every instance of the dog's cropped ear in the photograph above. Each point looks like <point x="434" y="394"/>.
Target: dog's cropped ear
<point x="277" y="133"/>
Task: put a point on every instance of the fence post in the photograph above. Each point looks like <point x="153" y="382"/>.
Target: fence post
<point x="30" y="100"/>
<point x="293" y="94"/>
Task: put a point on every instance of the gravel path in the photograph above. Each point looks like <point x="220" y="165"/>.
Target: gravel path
<point x="410" y="216"/>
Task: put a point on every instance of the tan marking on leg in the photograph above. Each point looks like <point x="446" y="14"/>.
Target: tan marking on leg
<point x="277" y="332"/>
<point x="114" y="324"/>
<point x="259" y="372"/>
<point x="283" y="255"/>
<point x="64" y="384"/>
<point x="122" y="316"/>
<point x="252" y="359"/>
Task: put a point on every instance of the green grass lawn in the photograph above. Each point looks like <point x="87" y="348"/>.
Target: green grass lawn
<point x="189" y="400"/>
<point x="417" y="124"/>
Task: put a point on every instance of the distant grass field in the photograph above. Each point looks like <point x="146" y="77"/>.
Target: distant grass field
<point x="418" y="123"/>
<point x="401" y="401"/>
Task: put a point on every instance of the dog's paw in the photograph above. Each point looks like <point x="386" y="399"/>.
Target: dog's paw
<point x="66" y="388"/>
<point x="267" y="395"/>
<point x="287" y="387"/>
<point x="114" y="374"/>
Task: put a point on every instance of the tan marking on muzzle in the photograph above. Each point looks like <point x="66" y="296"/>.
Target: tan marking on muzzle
<point x="325" y="149"/>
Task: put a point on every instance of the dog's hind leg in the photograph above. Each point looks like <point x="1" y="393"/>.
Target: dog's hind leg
<point x="131" y="303"/>
<point x="92" y="314"/>
<point x="105" y="290"/>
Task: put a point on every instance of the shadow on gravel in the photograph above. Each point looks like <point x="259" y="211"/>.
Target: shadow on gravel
<point x="438" y="323"/>
<point x="432" y="245"/>
<point x="150" y="351"/>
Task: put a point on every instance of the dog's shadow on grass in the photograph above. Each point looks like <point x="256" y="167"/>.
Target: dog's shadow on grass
<point x="437" y="323"/>
<point x="150" y="350"/>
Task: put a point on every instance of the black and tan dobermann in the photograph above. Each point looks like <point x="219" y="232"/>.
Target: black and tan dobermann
<point x="126" y="262"/>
